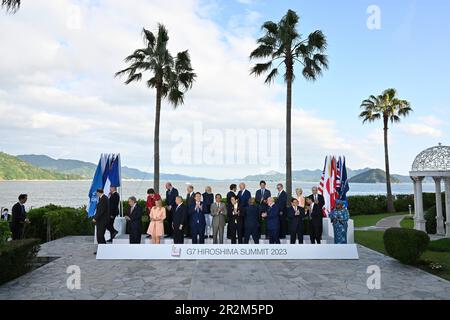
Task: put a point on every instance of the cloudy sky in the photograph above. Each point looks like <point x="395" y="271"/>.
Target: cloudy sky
<point x="58" y="95"/>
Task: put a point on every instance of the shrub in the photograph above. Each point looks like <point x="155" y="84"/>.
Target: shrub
<point x="5" y="233"/>
<point x="362" y="205"/>
<point x="59" y="221"/>
<point x="405" y="245"/>
<point x="441" y="245"/>
<point x="16" y="258"/>
<point x="430" y="218"/>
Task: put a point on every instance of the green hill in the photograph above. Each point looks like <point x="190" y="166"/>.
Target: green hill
<point x="12" y="168"/>
<point x="373" y="176"/>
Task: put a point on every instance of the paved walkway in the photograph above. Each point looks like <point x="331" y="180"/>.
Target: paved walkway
<point x="385" y="223"/>
<point x="206" y="280"/>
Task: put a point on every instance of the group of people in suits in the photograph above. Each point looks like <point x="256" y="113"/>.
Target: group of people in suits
<point x="205" y="215"/>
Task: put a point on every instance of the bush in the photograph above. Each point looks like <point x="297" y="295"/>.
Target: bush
<point x="5" y="233"/>
<point x="16" y="258"/>
<point x="405" y="245"/>
<point x="441" y="245"/>
<point x="363" y="205"/>
<point x="430" y="218"/>
<point x="61" y="221"/>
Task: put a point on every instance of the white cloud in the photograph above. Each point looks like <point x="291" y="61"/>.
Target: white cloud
<point x="59" y="96"/>
<point x="418" y="129"/>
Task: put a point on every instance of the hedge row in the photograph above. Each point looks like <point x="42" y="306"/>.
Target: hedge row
<point x="16" y="258"/>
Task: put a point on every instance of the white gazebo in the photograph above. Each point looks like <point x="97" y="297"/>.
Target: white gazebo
<point x="433" y="162"/>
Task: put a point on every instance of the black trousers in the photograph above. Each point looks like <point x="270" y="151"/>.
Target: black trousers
<point x="297" y="231"/>
<point x="101" y="229"/>
<point x="110" y="226"/>
<point x="236" y="231"/>
<point x="17" y="231"/>
<point x="168" y="222"/>
<point x="315" y="231"/>
<point x="283" y="225"/>
<point x="135" y="236"/>
<point x="274" y="236"/>
<point x="178" y="235"/>
<point x="254" y="232"/>
<point x="198" y="234"/>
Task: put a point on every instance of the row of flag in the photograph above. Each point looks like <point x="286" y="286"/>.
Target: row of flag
<point x="106" y="175"/>
<point x="334" y="182"/>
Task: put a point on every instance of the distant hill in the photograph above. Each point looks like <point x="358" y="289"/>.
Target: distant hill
<point x="298" y="175"/>
<point x="87" y="169"/>
<point x="376" y="176"/>
<point x="13" y="168"/>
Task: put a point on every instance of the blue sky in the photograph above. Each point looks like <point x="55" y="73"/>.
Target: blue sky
<point x="58" y="95"/>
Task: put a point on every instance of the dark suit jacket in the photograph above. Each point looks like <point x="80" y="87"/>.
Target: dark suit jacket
<point x="229" y="195"/>
<point x="179" y="216"/>
<point x="135" y="219"/>
<point x="316" y="215"/>
<point x="320" y="198"/>
<point x="243" y="198"/>
<point x="114" y="201"/>
<point x="295" y="220"/>
<point x="190" y="199"/>
<point x="102" y="211"/>
<point x="18" y="214"/>
<point x="208" y="200"/>
<point x="281" y="201"/>
<point x="273" y="217"/>
<point x="251" y="217"/>
<point x="259" y="197"/>
<point x="196" y="218"/>
<point x="170" y="197"/>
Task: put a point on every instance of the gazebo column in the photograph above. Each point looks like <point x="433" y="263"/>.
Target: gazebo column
<point x="447" y="206"/>
<point x="419" y="221"/>
<point x="440" y="230"/>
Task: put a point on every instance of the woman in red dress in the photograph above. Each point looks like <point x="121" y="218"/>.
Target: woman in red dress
<point x="152" y="197"/>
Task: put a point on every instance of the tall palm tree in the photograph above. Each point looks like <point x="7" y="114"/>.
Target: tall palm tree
<point x="170" y="76"/>
<point x="283" y="45"/>
<point x="388" y="108"/>
<point x="11" y="5"/>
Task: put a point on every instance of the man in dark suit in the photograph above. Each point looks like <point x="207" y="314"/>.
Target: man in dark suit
<point x="317" y="198"/>
<point x="235" y="221"/>
<point x="243" y="196"/>
<point x="251" y="222"/>
<point x="190" y="199"/>
<point x="171" y="195"/>
<point x="315" y="221"/>
<point x="19" y="218"/>
<point x="114" y="200"/>
<point x="101" y="217"/>
<point x="134" y="218"/>
<point x="231" y="193"/>
<point x="282" y="204"/>
<point x="197" y="220"/>
<point x="296" y="214"/>
<point x="273" y="221"/>
<point x="179" y="220"/>
<point x="261" y="196"/>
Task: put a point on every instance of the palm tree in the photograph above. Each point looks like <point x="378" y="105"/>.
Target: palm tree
<point x="11" y="5"/>
<point x="282" y="44"/>
<point x="389" y="108"/>
<point x="170" y="76"/>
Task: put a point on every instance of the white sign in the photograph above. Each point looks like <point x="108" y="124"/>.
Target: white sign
<point x="227" y="252"/>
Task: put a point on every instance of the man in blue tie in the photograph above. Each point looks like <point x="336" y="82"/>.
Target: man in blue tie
<point x="197" y="220"/>
<point x="261" y="197"/>
<point x="243" y="195"/>
<point x="282" y="205"/>
<point x="273" y="221"/>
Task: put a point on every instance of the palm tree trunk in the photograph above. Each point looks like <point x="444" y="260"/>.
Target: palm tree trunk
<point x="156" y="141"/>
<point x="390" y="200"/>
<point x="289" y="140"/>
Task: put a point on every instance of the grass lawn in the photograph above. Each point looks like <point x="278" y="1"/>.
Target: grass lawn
<point x="372" y="219"/>
<point x="407" y="222"/>
<point x="374" y="241"/>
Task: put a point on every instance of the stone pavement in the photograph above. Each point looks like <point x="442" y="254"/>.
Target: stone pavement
<point x="205" y="280"/>
<point x="385" y="223"/>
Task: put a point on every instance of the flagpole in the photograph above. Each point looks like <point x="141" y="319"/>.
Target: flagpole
<point x="120" y="177"/>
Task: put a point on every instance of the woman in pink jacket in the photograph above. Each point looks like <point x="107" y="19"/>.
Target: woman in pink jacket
<point x="157" y="216"/>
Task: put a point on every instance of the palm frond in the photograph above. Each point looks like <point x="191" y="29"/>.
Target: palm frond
<point x="271" y="76"/>
<point x="11" y="5"/>
<point x="261" y="68"/>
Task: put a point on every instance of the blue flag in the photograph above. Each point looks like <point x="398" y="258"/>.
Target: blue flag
<point x="344" y="182"/>
<point x="97" y="183"/>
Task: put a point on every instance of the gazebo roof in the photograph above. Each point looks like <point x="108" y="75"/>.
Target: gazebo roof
<point x="433" y="161"/>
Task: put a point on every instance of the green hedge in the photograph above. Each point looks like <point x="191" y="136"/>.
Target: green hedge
<point x="59" y="221"/>
<point x="5" y="233"/>
<point x="405" y="245"/>
<point x="16" y="258"/>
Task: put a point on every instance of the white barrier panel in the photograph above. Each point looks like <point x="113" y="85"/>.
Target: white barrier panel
<point x="227" y="252"/>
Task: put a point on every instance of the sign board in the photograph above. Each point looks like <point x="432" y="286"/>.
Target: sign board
<point x="227" y="252"/>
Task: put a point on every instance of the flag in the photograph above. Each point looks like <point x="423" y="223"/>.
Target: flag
<point x="338" y="177"/>
<point x="322" y="179"/>
<point x="344" y="183"/>
<point x="106" y="175"/>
